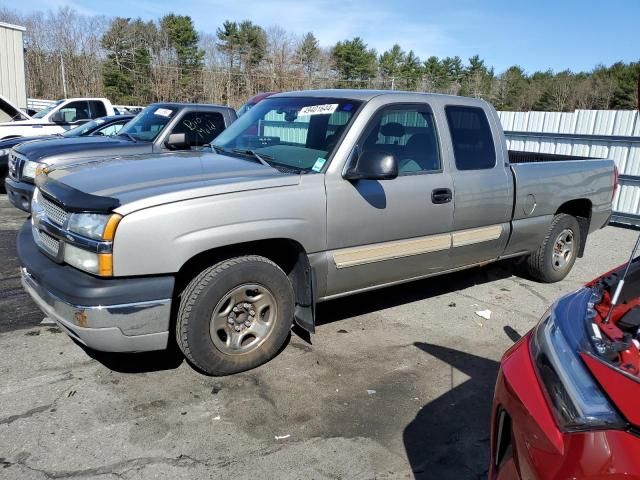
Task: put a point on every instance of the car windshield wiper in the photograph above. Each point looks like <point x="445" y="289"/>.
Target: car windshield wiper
<point x="131" y="137"/>
<point x="217" y="149"/>
<point x="263" y="159"/>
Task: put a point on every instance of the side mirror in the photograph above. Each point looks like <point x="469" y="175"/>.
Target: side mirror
<point x="176" y="141"/>
<point x="56" y="117"/>
<point x="373" y="165"/>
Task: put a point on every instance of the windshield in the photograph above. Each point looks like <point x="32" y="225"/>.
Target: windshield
<point x="297" y="132"/>
<point x="46" y="110"/>
<point x="148" y="123"/>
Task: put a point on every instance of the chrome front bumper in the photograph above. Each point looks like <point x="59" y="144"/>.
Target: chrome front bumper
<point x="131" y="327"/>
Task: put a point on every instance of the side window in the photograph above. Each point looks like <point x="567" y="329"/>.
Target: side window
<point x="109" y="130"/>
<point x="74" y="111"/>
<point x="471" y="136"/>
<point x="409" y="134"/>
<point x="200" y="127"/>
<point x="98" y="109"/>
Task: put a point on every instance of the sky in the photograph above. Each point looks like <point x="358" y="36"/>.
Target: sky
<point x="535" y="34"/>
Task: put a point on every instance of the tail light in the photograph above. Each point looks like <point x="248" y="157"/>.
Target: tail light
<point x="615" y="181"/>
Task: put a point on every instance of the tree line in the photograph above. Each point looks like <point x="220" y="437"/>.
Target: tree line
<point x="136" y="62"/>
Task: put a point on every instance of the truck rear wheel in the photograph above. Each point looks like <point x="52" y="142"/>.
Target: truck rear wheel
<point x="235" y="315"/>
<point x="556" y="255"/>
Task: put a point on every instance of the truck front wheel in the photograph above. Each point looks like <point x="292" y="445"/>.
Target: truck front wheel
<point x="235" y="315"/>
<point x="556" y="255"/>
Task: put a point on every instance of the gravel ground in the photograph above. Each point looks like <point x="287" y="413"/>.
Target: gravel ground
<point x="396" y="384"/>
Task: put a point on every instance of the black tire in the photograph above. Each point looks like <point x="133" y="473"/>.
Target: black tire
<point x="204" y="293"/>
<point x="541" y="264"/>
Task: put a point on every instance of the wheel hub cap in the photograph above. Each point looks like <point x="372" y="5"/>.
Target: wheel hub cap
<point x="563" y="250"/>
<point x="243" y="319"/>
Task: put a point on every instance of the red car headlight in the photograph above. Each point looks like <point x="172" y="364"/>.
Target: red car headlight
<point x="577" y="401"/>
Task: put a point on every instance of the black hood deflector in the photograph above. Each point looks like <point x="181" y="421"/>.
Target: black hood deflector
<point x="74" y="200"/>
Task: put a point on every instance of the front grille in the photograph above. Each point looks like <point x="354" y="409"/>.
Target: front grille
<point x="15" y="165"/>
<point x="55" y="213"/>
<point x="47" y="242"/>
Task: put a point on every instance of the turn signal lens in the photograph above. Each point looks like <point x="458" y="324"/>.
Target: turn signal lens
<point x="110" y="227"/>
<point x="105" y="264"/>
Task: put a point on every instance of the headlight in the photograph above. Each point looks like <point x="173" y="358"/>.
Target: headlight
<point x="96" y="263"/>
<point x="576" y="400"/>
<point x="29" y="169"/>
<point x="4" y="152"/>
<point x="94" y="225"/>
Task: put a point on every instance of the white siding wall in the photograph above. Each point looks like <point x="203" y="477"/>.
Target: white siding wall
<point x="613" y="134"/>
<point x="12" y="77"/>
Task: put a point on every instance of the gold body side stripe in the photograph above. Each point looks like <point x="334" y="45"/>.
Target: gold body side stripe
<point x="353" y="256"/>
<point x="349" y="257"/>
<point x="476" y="235"/>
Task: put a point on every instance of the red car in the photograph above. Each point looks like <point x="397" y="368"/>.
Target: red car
<point x="249" y="104"/>
<point x="567" y="398"/>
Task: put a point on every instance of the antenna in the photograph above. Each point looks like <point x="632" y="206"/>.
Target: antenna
<point x="616" y="294"/>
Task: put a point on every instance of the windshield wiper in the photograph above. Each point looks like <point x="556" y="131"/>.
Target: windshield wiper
<point x="217" y="149"/>
<point x="261" y="158"/>
<point x="131" y="137"/>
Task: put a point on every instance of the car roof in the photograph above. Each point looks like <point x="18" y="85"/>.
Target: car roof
<point x="355" y="94"/>
<point x="187" y="104"/>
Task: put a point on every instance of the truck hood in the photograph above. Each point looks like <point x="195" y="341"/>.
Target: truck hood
<point x="142" y="181"/>
<point x="12" y="142"/>
<point x="77" y="147"/>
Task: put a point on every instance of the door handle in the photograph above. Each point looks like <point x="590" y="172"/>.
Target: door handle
<point x="441" y="195"/>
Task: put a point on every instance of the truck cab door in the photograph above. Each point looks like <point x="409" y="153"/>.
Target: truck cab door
<point x="483" y="187"/>
<point x="381" y="232"/>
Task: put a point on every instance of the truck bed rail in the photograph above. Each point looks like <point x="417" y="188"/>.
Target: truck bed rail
<point x="516" y="156"/>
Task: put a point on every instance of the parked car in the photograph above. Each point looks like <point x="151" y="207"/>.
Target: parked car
<point x="160" y="127"/>
<point x="58" y="117"/>
<point x="253" y="101"/>
<point x="337" y="192"/>
<point x="565" y="402"/>
<point x="104" y="126"/>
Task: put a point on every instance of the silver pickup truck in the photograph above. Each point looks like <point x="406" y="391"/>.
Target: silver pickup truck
<point x="309" y="196"/>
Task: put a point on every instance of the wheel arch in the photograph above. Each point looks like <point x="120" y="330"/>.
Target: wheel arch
<point x="580" y="209"/>
<point x="288" y="254"/>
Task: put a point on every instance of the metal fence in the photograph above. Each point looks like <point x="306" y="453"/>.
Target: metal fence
<point x="613" y="134"/>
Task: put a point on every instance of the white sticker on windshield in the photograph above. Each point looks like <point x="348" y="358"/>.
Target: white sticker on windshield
<point x="328" y="108"/>
<point x="319" y="164"/>
<point x="163" y="112"/>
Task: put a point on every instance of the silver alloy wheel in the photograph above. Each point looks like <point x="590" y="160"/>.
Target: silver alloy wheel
<point x="243" y="319"/>
<point x="563" y="249"/>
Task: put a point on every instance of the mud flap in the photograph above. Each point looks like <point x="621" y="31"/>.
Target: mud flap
<point x="305" y="315"/>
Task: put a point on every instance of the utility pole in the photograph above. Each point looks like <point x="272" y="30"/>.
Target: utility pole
<point x="64" y="79"/>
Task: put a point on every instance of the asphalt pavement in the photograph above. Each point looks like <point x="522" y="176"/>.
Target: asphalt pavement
<point x="396" y="383"/>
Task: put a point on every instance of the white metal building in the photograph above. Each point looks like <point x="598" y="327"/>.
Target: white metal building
<point x="13" y="85"/>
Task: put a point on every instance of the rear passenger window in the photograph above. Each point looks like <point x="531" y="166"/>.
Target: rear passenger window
<point x="471" y="136"/>
<point x="98" y="109"/>
<point x="409" y="134"/>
